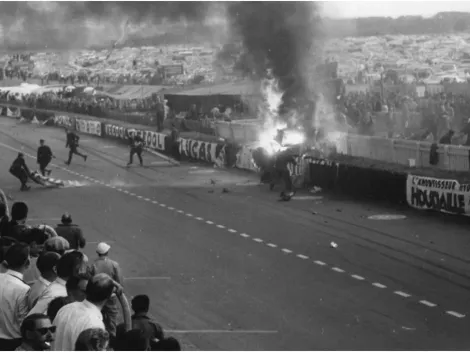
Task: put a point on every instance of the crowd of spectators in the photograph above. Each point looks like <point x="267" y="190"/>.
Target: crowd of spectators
<point x="53" y="298"/>
<point x="439" y="118"/>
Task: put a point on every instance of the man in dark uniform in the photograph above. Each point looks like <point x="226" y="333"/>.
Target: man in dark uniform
<point x="175" y="135"/>
<point x="282" y="160"/>
<point x="44" y="157"/>
<point x="72" y="143"/>
<point x="20" y="170"/>
<point x="137" y="147"/>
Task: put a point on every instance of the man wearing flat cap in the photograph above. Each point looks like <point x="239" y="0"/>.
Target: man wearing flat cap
<point x="71" y="232"/>
<point x="104" y="265"/>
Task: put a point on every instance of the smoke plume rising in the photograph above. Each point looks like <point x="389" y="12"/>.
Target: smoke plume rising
<point x="279" y="37"/>
<point x="70" y="25"/>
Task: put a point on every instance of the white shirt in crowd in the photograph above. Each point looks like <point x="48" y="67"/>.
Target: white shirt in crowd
<point x="32" y="273"/>
<point x="37" y="290"/>
<point x="72" y="320"/>
<point x="54" y="290"/>
<point x="13" y="304"/>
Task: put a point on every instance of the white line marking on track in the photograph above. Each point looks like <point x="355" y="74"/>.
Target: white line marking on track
<point x="180" y="211"/>
<point x="427" y="303"/>
<point x="171" y="208"/>
<point x="209" y="222"/>
<point x="403" y="294"/>
<point x="379" y="285"/>
<point x="338" y="270"/>
<point x="272" y="245"/>
<point x="244" y="235"/>
<point x="259" y="240"/>
<point x="96" y="242"/>
<point x="357" y="277"/>
<point x="147" y="199"/>
<point x="189" y="215"/>
<point x="162" y="205"/>
<point x="154" y="202"/>
<point x="199" y="218"/>
<point x="148" y="278"/>
<point x="301" y="256"/>
<point x="455" y="314"/>
<point x="221" y="226"/>
<point x="221" y="331"/>
<point x="318" y="262"/>
<point x="232" y="230"/>
<point x="285" y="250"/>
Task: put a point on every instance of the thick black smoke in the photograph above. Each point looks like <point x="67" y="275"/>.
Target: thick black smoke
<point x="28" y="25"/>
<point x="278" y="37"/>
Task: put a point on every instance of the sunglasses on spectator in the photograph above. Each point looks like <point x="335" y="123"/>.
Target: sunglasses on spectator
<point x="44" y="331"/>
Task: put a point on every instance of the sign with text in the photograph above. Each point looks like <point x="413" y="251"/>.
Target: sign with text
<point x="446" y="196"/>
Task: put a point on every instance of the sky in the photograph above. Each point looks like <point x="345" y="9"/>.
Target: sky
<point x="354" y="9"/>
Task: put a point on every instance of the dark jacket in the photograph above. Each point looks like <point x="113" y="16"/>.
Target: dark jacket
<point x="19" y="165"/>
<point x="72" y="140"/>
<point x="73" y="234"/>
<point x="150" y="329"/>
<point x="44" y="153"/>
<point x="136" y="142"/>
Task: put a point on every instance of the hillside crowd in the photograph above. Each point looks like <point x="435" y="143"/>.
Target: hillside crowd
<point x="53" y="298"/>
<point x="438" y="118"/>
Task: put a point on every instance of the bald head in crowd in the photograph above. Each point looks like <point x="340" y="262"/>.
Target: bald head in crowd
<point x="99" y="289"/>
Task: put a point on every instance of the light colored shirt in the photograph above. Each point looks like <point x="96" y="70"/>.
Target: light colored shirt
<point x="54" y="290"/>
<point x="37" y="289"/>
<point x="104" y="265"/>
<point x="13" y="304"/>
<point x="72" y="320"/>
<point x="32" y="273"/>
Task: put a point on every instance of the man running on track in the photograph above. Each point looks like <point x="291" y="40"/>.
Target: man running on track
<point x="137" y="147"/>
<point x="72" y="143"/>
<point x="20" y="170"/>
<point x="44" y="157"/>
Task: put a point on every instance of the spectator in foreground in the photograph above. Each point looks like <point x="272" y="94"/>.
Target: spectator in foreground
<point x="76" y="317"/>
<point x="57" y="244"/>
<point x="140" y="305"/>
<point x="92" y="340"/>
<point x="72" y="233"/>
<point x="168" y="344"/>
<point x="46" y="264"/>
<point x="37" y="333"/>
<point x="65" y="268"/>
<point x="76" y="287"/>
<point x="13" y="297"/>
<point x="103" y="264"/>
<point x="55" y="305"/>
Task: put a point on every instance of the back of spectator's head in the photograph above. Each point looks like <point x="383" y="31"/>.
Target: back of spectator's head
<point x="55" y="305"/>
<point x="167" y="344"/>
<point x="99" y="289"/>
<point x="56" y="244"/>
<point x="135" y="340"/>
<point x="47" y="262"/>
<point x="66" y="265"/>
<point x="3" y="209"/>
<point x="17" y="256"/>
<point x="92" y="340"/>
<point x="19" y="211"/>
<point x="76" y="287"/>
<point x="140" y="304"/>
<point x="66" y="218"/>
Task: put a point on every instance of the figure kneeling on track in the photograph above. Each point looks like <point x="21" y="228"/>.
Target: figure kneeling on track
<point x="20" y="170"/>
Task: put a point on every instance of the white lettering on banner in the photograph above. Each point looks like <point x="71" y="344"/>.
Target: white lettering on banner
<point x="446" y="196"/>
<point x="88" y="126"/>
<point x="121" y="132"/>
<point x="63" y="121"/>
<point x="148" y="139"/>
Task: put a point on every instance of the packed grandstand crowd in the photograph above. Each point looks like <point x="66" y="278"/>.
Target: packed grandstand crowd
<point x="52" y="297"/>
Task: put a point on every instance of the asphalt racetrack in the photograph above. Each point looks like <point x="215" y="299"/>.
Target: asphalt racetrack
<point x="229" y="267"/>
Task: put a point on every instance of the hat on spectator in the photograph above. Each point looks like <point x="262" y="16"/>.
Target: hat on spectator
<point x="102" y="248"/>
<point x="56" y="244"/>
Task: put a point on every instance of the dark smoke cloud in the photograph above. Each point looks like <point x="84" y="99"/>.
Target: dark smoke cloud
<point x="278" y="36"/>
<point x="67" y="24"/>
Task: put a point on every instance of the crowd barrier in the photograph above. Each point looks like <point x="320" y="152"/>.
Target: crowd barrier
<point x="424" y="193"/>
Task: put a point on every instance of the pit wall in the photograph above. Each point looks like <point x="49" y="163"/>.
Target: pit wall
<point x="419" y="192"/>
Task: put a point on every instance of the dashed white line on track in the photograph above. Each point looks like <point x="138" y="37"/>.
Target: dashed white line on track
<point x="272" y="245"/>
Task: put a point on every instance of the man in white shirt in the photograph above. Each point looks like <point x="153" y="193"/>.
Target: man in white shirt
<point x="13" y="297"/>
<point x="77" y="317"/>
<point x="65" y="268"/>
<point x="46" y="265"/>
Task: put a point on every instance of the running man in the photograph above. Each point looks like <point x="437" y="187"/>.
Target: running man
<point x="20" y="170"/>
<point x="72" y="143"/>
<point x="44" y="157"/>
<point x="137" y="147"/>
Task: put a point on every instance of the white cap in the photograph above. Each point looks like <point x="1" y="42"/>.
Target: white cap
<point x="102" y="248"/>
